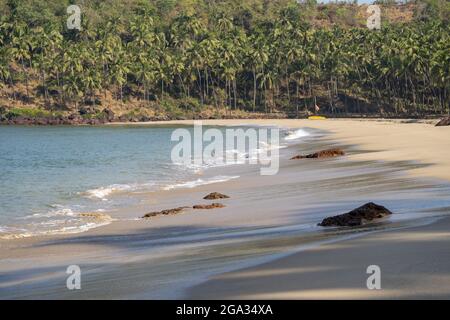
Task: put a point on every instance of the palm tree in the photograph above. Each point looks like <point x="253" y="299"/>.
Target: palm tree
<point x="20" y="48"/>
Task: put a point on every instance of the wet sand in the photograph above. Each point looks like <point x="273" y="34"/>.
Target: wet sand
<point x="266" y="218"/>
<point x="414" y="264"/>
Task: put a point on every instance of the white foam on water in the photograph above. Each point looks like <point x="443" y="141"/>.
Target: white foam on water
<point x="12" y="233"/>
<point x="231" y="157"/>
<point x="199" y="182"/>
<point x="296" y="134"/>
<point x="7" y="229"/>
<point x="57" y="211"/>
<point x="60" y="220"/>
<point x="102" y="192"/>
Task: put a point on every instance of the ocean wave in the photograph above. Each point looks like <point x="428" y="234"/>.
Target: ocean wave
<point x="230" y="157"/>
<point x="7" y="229"/>
<point x="57" y="211"/>
<point x="199" y="182"/>
<point x="296" y="134"/>
<point x="61" y="211"/>
<point x="102" y="192"/>
<point x="74" y="223"/>
<point x="14" y="234"/>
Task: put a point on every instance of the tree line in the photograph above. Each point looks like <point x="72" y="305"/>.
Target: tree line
<point x="280" y="63"/>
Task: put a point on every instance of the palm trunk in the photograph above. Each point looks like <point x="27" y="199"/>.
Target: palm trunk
<point x="26" y="76"/>
<point x="235" y="96"/>
<point x="254" y="89"/>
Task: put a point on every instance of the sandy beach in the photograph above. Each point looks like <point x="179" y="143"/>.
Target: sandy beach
<point x="414" y="263"/>
<point x="197" y="149"/>
<point x="387" y="140"/>
<point x="265" y="243"/>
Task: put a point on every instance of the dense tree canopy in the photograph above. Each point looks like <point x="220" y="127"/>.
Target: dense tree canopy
<point x="255" y="55"/>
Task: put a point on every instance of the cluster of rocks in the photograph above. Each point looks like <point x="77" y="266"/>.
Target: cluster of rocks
<point x="22" y="120"/>
<point x="85" y="115"/>
<point x="366" y="213"/>
<point x="215" y="196"/>
<point x="142" y="118"/>
<point x="211" y="196"/>
<point x="208" y="206"/>
<point x="164" y="212"/>
<point x="329" y="153"/>
<point x="96" y="216"/>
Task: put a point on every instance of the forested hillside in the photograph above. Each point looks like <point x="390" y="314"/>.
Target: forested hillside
<point x="165" y="59"/>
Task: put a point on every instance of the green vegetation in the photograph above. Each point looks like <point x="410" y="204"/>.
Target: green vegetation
<point x="31" y="113"/>
<point x="256" y="55"/>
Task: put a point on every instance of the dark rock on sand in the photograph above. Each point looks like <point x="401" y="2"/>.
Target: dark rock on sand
<point x="208" y="206"/>
<point x="215" y="195"/>
<point x="329" y="153"/>
<point x="357" y="217"/>
<point x="166" y="212"/>
<point x="444" y="122"/>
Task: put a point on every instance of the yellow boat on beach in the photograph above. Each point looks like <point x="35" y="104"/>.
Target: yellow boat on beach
<point x="317" y="118"/>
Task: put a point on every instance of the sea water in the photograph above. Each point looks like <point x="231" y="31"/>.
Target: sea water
<point x="65" y="179"/>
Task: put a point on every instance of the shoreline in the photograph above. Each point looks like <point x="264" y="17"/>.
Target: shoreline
<point x="309" y="274"/>
<point x="106" y="117"/>
<point x="420" y="145"/>
<point x="335" y="131"/>
<point x="90" y="244"/>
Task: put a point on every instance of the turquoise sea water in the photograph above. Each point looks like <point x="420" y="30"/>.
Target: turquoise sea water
<point x="58" y="171"/>
<point x="51" y="175"/>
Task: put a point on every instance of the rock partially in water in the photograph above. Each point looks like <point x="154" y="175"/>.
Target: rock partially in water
<point x="444" y="122"/>
<point x="215" y="195"/>
<point x="209" y="206"/>
<point x="329" y="153"/>
<point x="368" y="212"/>
<point x="96" y="216"/>
<point x="164" y="212"/>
